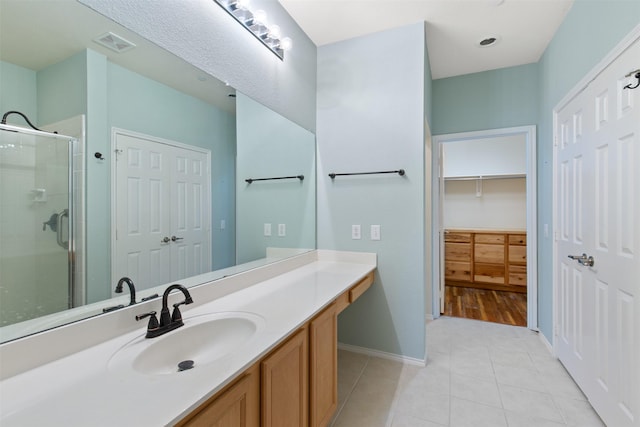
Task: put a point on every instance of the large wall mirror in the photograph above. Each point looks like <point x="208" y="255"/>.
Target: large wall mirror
<point x="162" y="180"/>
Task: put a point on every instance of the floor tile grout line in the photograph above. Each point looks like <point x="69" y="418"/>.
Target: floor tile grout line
<point x="353" y="387"/>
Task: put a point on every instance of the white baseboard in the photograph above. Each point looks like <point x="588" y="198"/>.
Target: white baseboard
<point x="382" y="354"/>
<point x="546" y="343"/>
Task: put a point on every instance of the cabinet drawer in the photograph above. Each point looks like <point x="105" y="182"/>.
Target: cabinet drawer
<point x="489" y="253"/>
<point x="360" y="287"/>
<point x="460" y="271"/>
<point x="518" y="275"/>
<point x="457" y="251"/>
<point x="517" y="254"/>
<point x="452" y="236"/>
<point x="490" y="238"/>
<point x="489" y="273"/>
<point x="517" y="239"/>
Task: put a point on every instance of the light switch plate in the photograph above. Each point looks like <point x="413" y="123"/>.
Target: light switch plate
<point x="267" y="229"/>
<point x="375" y="232"/>
<point x="223" y="224"/>
<point x="355" y="232"/>
<point x="282" y="230"/>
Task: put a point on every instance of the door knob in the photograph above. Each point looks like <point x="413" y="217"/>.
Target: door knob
<point x="174" y="238"/>
<point x="583" y="259"/>
<point x="165" y="240"/>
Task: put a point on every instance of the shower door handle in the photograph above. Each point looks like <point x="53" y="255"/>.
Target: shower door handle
<point x="59" y="237"/>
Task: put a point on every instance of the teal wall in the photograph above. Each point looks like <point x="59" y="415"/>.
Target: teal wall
<point x="487" y="100"/>
<point x="527" y="94"/>
<point x="270" y="145"/>
<point x="62" y="89"/>
<point x="18" y="92"/>
<point x="371" y="117"/>
<point x="591" y="29"/>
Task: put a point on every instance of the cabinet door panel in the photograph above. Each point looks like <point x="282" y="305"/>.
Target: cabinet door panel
<point x="323" y="369"/>
<point x="237" y="406"/>
<point x="285" y="374"/>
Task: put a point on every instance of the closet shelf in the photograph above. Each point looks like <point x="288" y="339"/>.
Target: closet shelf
<point x="483" y="177"/>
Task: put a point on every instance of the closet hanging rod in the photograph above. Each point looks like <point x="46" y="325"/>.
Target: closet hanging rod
<point x="333" y="175"/>
<point x="250" y="180"/>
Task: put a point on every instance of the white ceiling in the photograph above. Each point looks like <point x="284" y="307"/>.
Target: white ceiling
<point x="35" y="34"/>
<point x="524" y="28"/>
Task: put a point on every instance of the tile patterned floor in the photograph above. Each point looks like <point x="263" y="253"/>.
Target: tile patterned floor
<point x="478" y="374"/>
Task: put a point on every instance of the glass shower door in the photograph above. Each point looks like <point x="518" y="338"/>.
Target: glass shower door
<point x="36" y="240"/>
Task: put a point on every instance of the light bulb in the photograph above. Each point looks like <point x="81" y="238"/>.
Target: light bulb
<point x="260" y="17"/>
<point x="286" y="44"/>
<point x="274" y="32"/>
<point x="243" y="4"/>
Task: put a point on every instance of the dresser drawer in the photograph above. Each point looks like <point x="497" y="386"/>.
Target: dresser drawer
<point x="517" y="254"/>
<point x="459" y="271"/>
<point x="518" y="275"/>
<point x="489" y="273"/>
<point x="457" y="251"/>
<point x="489" y="253"/>
<point x="490" y="238"/>
<point x="454" y="236"/>
<point x="518" y="239"/>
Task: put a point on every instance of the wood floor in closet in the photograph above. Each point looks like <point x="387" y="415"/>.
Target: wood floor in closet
<point x="509" y="308"/>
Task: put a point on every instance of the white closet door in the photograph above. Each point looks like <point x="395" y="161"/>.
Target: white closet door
<point x="163" y="203"/>
<point x="190" y="214"/>
<point x="598" y="206"/>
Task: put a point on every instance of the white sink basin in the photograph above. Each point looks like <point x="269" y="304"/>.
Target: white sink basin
<point x="203" y="340"/>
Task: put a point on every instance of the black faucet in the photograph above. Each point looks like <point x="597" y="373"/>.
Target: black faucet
<point x="132" y="289"/>
<point x="118" y="290"/>
<point x="168" y="322"/>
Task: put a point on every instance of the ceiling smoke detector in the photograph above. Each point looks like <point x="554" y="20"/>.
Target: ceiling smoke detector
<point x="114" y="42"/>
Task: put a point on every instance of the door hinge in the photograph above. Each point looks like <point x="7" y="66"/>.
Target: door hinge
<point x="556" y="236"/>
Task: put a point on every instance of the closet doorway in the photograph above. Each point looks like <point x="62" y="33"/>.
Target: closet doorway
<point x="484" y="209"/>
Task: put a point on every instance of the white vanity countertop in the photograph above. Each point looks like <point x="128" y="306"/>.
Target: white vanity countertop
<point x="82" y="389"/>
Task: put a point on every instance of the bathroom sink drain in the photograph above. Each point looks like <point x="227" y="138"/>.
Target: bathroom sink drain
<point x="185" y="365"/>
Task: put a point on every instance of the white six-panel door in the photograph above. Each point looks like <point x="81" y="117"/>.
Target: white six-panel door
<point x="598" y="214"/>
<point x="162" y="210"/>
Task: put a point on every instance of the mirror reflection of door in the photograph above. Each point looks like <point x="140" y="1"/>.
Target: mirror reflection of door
<point x="162" y="210"/>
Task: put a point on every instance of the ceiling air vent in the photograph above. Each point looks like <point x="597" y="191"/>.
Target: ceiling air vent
<point x="114" y="42"/>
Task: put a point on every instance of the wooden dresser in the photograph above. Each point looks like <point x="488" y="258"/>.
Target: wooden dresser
<point x="486" y="259"/>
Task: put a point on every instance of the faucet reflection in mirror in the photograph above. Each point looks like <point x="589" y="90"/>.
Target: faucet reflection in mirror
<point x="256" y="24"/>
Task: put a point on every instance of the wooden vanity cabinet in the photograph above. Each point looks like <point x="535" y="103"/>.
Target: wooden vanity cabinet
<point x="295" y="385"/>
<point x="237" y="405"/>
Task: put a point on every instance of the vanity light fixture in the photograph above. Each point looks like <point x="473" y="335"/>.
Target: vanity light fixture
<point x="256" y="23"/>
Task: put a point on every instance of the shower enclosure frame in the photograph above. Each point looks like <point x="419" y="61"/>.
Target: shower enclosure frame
<point x="72" y="147"/>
